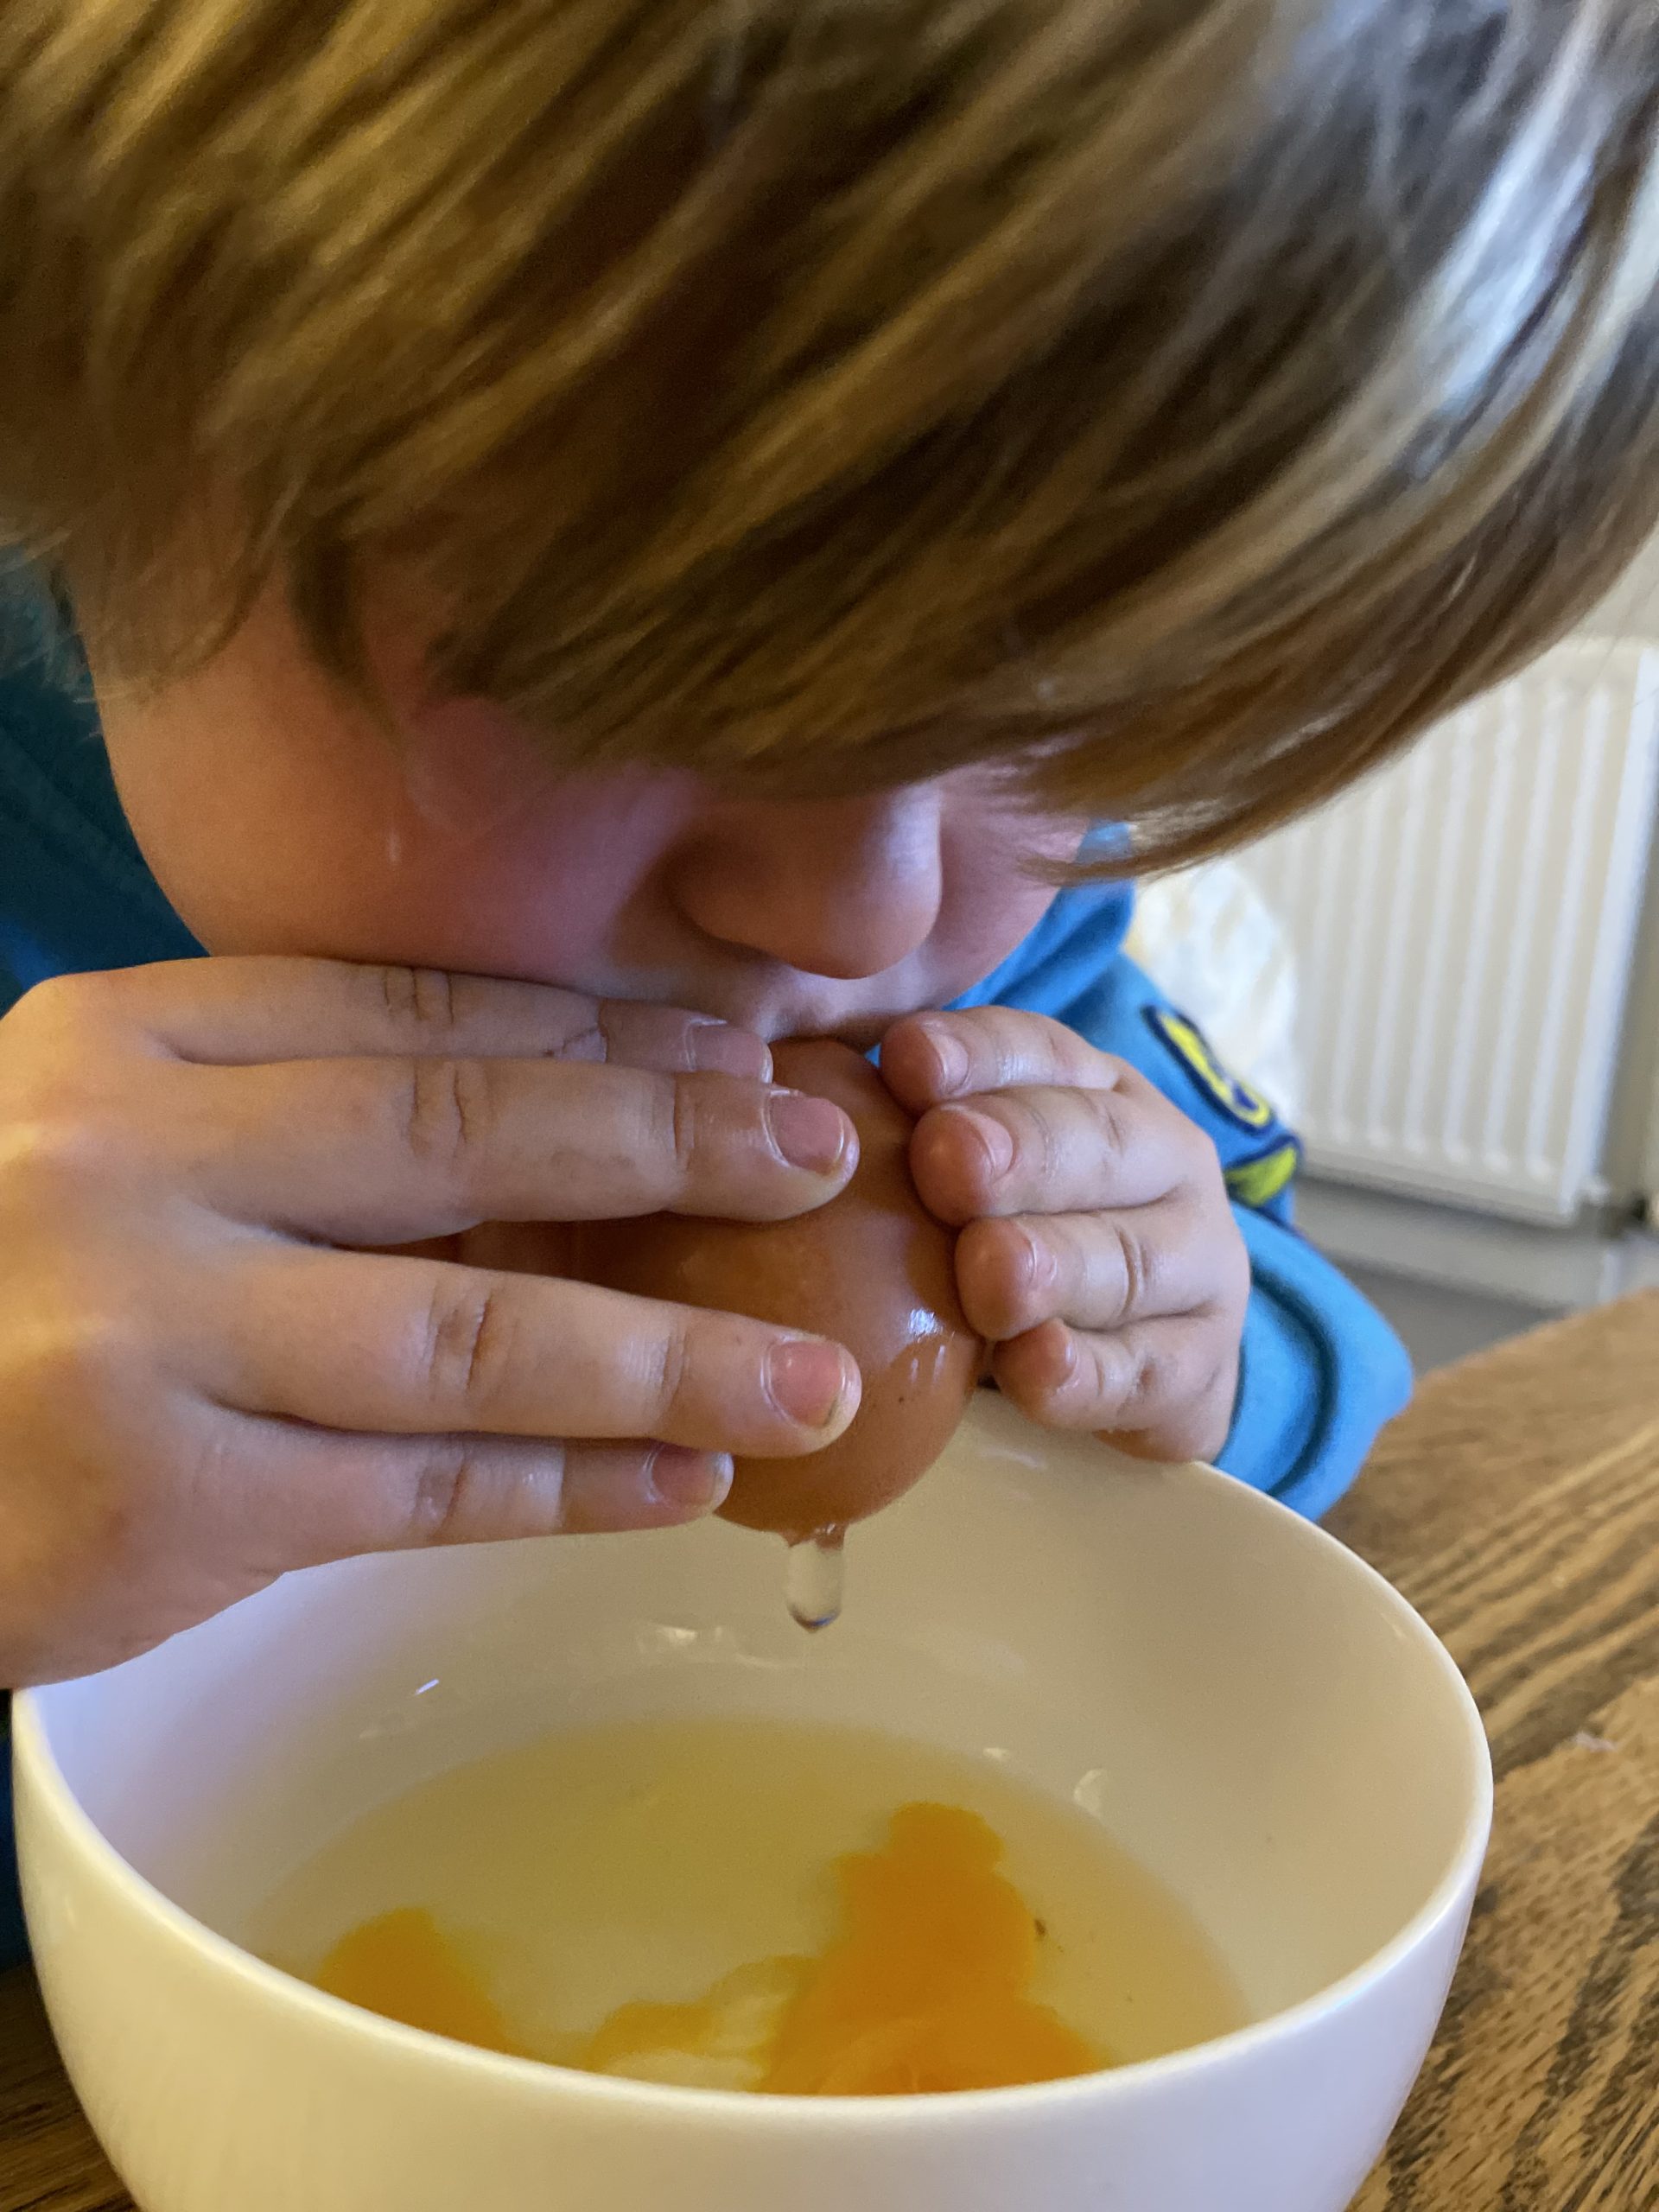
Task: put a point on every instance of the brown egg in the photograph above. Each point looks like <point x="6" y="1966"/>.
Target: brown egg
<point x="873" y="1269"/>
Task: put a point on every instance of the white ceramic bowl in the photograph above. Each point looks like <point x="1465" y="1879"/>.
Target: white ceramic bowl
<point x="1267" y="1724"/>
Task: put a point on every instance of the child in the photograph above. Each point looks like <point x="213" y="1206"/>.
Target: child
<point x="606" y="532"/>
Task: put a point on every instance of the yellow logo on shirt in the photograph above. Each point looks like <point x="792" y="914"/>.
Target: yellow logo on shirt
<point x="1236" y="1099"/>
<point x="1258" y="1182"/>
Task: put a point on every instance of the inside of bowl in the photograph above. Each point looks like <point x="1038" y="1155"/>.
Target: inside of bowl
<point x="1250" y="1713"/>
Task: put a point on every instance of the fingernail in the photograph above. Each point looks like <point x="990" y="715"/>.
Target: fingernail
<point x="716" y="1046"/>
<point x="809" y="1132"/>
<point x="689" y="1482"/>
<point x="992" y="1138"/>
<point x="949" y="1053"/>
<point x="806" y="1379"/>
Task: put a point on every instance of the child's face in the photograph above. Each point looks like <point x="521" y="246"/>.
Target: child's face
<point x="279" y="818"/>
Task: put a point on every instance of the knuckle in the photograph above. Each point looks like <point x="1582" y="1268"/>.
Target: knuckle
<point x="418" y="999"/>
<point x="682" y="1126"/>
<point x="75" y="1113"/>
<point x="41" y="1153"/>
<point x="1036" y="1140"/>
<point x="444" y="1110"/>
<point x="88" y="1359"/>
<point x="1139" y="1260"/>
<point x="444" y="1503"/>
<point x="1069" y="1260"/>
<point x="1031" y="1268"/>
<point x="992" y="1039"/>
<point x="395" y="986"/>
<point x="58" y="1145"/>
<point x="673" y="1363"/>
<point x="67" y="1006"/>
<point x="1021" y="1033"/>
<point x="468" y="1357"/>
<point x="649" y="1134"/>
<point x="666" y="1124"/>
<point x="1151" y="1376"/>
<point x="1115" y="1371"/>
<point x="466" y="1492"/>
<point x="1112" y="1113"/>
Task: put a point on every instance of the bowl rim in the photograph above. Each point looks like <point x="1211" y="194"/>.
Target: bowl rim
<point x="37" y="1766"/>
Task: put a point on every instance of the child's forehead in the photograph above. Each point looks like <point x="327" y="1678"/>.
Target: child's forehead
<point x="428" y="708"/>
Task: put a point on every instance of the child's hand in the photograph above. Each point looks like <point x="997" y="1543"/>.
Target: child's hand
<point x="1099" y="1253"/>
<point x="202" y="1383"/>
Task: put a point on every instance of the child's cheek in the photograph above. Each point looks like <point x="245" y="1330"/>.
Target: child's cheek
<point x="472" y="773"/>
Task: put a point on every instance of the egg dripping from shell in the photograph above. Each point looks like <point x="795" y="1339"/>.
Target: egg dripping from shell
<point x="872" y="1269"/>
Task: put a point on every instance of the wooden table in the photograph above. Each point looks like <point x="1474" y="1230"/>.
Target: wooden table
<point x="1518" y="1505"/>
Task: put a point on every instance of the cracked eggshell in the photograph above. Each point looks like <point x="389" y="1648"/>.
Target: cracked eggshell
<point x="873" y="1268"/>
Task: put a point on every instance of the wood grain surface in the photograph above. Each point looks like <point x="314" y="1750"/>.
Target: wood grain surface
<point x="1517" y="1506"/>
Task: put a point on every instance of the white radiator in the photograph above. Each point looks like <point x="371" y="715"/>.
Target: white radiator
<point x="1463" y="926"/>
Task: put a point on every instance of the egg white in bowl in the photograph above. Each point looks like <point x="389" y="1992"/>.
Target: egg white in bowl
<point x="1253" y="1713"/>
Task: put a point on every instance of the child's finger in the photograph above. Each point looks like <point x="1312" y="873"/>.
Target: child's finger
<point x="368" y="1342"/>
<point x="387" y="1151"/>
<point x="1163" y="1387"/>
<point x="236" y="1011"/>
<point x="308" y="1496"/>
<point x="1093" y="1271"/>
<point x="927" y="1058"/>
<point x="1045" y="1149"/>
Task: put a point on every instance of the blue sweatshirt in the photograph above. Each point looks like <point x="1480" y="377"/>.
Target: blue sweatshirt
<point x="1321" y="1370"/>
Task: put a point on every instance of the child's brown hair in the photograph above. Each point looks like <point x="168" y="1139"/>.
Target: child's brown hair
<point x="1187" y="398"/>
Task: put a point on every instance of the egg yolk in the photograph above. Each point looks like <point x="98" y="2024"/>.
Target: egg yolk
<point x="925" y="1987"/>
<point x="403" y="1967"/>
